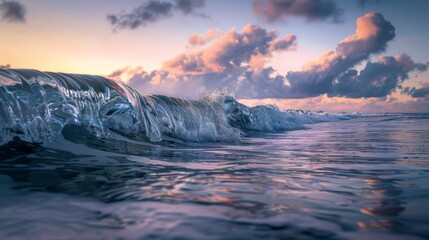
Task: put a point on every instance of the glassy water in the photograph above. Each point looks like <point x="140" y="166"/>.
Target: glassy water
<point x="364" y="178"/>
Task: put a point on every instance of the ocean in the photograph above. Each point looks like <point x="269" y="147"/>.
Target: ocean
<point x="84" y="157"/>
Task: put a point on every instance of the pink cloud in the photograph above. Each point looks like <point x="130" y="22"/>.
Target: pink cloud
<point x="211" y="34"/>
<point x="237" y="60"/>
<point x="5" y="66"/>
<point x="231" y="51"/>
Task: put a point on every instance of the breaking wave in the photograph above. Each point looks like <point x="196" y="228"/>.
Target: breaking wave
<point x="35" y="106"/>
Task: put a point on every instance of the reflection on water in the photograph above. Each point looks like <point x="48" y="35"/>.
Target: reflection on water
<point x="384" y="201"/>
<point x="362" y="178"/>
<point x="384" y="198"/>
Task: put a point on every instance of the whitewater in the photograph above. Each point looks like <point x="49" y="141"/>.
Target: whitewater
<point x="87" y="157"/>
<point x="36" y="106"/>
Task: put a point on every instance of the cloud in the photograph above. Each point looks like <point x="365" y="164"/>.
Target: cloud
<point x="419" y="92"/>
<point x="125" y="73"/>
<point x="422" y="92"/>
<point x="235" y="60"/>
<point x="372" y="34"/>
<point x="188" y="6"/>
<point x="12" y="11"/>
<point x="148" y="12"/>
<point x="377" y="79"/>
<point x="196" y="40"/>
<point x="152" y="11"/>
<point x="5" y="66"/>
<point x="243" y="83"/>
<point x="332" y="72"/>
<point x="286" y="43"/>
<point x="312" y="10"/>
<point x="231" y="51"/>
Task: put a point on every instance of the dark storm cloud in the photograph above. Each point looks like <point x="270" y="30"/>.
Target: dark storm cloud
<point x="12" y="11"/>
<point x="188" y="6"/>
<point x="422" y="92"/>
<point x="312" y="10"/>
<point x="419" y="92"/>
<point x="377" y="79"/>
<point x="371" y="36"/>
<point x="148" y="12"/>
<point x="152" y="11"/>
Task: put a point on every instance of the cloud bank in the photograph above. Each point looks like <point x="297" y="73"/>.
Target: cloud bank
<point x="153" y="11"/>
<point x="331" y="73"/>
<point x="372" y="34"/>
<point x="237" y="60"/>
<point x="377" y="79"/>
<point x="12" y="11"/>
<point x="312" y="10"/>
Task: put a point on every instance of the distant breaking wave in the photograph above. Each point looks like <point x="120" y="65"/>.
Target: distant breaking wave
<point x="35" y="106"/>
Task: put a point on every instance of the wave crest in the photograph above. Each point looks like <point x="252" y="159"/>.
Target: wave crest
<point x="35" y="106"/>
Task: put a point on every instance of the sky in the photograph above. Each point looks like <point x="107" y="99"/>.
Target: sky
<point x="331" y="55"/>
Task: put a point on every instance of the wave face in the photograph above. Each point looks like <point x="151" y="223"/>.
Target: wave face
<point x="35" y="106"/>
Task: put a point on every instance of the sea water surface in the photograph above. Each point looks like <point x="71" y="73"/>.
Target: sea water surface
<point x="240" y="174"/>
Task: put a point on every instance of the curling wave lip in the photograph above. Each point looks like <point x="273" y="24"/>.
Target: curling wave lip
<point x="35" y="106"/>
